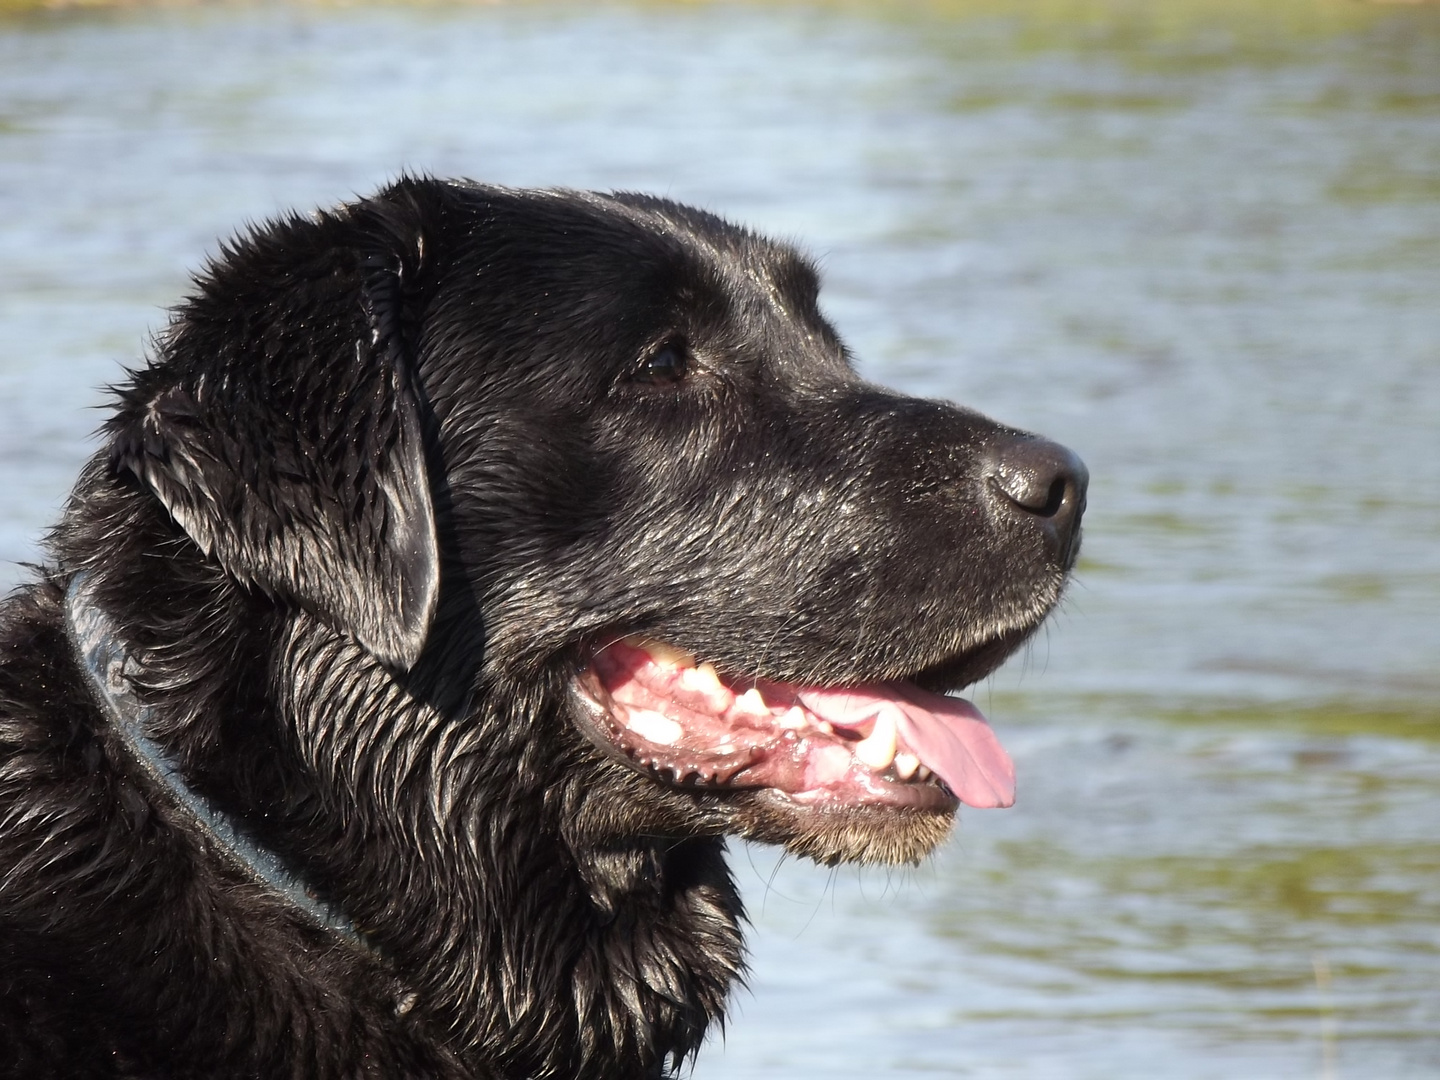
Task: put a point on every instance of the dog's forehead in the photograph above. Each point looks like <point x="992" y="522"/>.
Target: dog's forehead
<point x="645" y="240"/>
<point x="774" y="266"/>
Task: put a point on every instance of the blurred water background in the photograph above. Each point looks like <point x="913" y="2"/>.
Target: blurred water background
<point x="1196" y="240"/>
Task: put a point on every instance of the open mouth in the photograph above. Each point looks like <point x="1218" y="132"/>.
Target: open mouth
<point x="876" y="744"/>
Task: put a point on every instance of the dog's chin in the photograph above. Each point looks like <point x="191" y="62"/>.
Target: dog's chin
<point x="866" y="773"/>
<point x="859" y="834"/>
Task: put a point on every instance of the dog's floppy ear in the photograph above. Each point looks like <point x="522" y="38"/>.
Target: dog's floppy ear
<point x="281" y="425"/>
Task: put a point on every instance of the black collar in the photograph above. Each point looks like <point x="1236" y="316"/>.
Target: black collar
<point x="110" y="667"/>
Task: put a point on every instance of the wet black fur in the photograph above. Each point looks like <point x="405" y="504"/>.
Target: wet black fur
<point x="391" y="472"/>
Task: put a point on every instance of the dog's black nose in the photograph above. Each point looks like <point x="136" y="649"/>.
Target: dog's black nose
<point x="1042" y="483"/>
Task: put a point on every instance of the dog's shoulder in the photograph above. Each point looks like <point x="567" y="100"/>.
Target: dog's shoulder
<point x="50" y="755"/>
<point x="56" y="850"/>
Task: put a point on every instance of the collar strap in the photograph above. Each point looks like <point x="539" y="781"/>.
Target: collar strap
<point x="110" y="668"/>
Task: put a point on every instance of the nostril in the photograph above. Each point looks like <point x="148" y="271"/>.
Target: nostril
<point x="1040" y="486"/>
<point x="1038" y="477"/>
<point x="1028" y="492"/>
<point x="1054" y="498"/>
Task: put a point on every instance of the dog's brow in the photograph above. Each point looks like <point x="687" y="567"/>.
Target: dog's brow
<point x="768" y="287"/>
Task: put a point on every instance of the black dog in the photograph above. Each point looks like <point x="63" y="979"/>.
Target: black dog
<point x="356" y="727"/>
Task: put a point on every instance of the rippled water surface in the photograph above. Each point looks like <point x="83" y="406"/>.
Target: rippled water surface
<point x="1199" y="244"/>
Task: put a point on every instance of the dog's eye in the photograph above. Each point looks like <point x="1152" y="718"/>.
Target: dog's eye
<point x="667" y="364"/>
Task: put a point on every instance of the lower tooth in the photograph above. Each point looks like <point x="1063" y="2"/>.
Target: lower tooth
<point x="752" y="704"/>
<point x="877" y="750"/>
<point x="906" y="765"/>
<point x="794" y="718"/>
<point x="702" y="678"/>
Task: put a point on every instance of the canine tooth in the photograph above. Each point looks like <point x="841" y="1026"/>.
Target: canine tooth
<point x="878" y="750"/>
<point x="906" y="765"/>
<point x="654" y="727"/>
<point x="752" y="704"/>
<point x="794" y="718"/>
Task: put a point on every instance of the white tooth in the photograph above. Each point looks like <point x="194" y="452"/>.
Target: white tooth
<point x="923" y="773"/>
<point x="752" y="704"/>
<point x="906" y="765"/>
<point x="878" y="751"/>
<point x="794" y="718"/>
<point x="662" y="653"/>
<point x="654" y="727"/>
<point x="825" y="726"/>
<point x="702" y="679"/>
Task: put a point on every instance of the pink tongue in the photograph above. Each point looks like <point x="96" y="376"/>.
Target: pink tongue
<point x="948" y="734"/>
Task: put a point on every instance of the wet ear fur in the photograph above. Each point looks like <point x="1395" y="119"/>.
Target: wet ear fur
<point x="282" y="428"/>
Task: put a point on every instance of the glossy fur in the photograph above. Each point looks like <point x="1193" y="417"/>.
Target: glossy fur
<point x="393" y="472"/>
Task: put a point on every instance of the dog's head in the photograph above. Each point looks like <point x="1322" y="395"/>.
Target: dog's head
<point x="603" y="457"/>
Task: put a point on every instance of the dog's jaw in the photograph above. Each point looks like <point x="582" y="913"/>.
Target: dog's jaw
<point x="858" y="773"/>
<point x="820" y="748"/>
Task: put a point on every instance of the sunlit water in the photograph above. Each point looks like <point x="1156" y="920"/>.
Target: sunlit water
<point x="1206" y="256"/>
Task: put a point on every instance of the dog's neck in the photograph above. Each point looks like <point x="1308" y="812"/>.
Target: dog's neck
<point x="108" y="663"/>
<point x="447" y="831"/>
